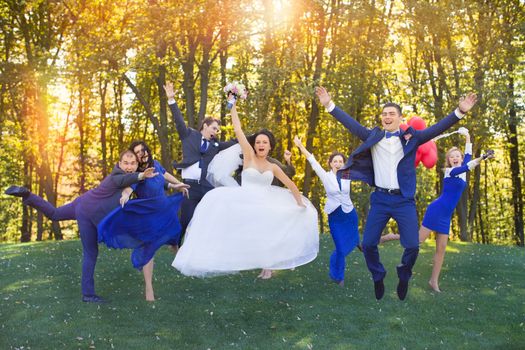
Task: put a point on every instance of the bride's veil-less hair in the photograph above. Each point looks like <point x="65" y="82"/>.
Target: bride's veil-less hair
<point x="251" y="138"/>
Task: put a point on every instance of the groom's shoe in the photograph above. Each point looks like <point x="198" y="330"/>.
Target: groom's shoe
<point x="402" y="289"/>
<point x="93" y="299"/>
<point x="17" y="191"/>
<point x="379" y="289"/>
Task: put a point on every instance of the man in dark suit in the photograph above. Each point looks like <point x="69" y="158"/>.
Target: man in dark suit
<point x="385" y="160"/>
<point x="198" y="149"/>
<point x="89" y="209"/>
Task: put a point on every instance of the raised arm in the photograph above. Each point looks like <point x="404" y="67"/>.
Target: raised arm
<point x="465" y="104"/>
<point x="175" y="184"/>
<point x="311" y="159"/>
<point x="180" y="124"/>
<point x="348" y="122"/>
<point x="279" y="173"/>
<point x="468" y="145"/>
<point x="247" y="150"/>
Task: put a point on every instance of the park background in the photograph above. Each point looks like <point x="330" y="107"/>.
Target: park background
<point x="81" y="79"/>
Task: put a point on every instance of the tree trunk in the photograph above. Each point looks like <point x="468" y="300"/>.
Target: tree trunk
<point x="102" y="89"/>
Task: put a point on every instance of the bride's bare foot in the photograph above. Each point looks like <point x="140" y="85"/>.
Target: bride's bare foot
<point x="434" y="286"/>
<point x="265" y="274"/>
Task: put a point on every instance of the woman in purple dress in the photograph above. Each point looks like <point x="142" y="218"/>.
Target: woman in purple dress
<point x="439" y="213"/>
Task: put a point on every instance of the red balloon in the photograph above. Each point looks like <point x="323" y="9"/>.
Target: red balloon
<point x="417" y="123"/>
<point x="403" y="127"/>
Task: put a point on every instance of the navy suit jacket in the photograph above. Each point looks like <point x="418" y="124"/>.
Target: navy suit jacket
<point x="360" y="161"/>
<point x="98" y="202"/>
<point x="191" y="140"/>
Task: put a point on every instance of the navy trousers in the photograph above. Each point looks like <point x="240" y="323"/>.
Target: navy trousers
<point x="88" y="234"/>
<point x="187" y="208"/>
<point x="384" y="206"/>
<point x="345" y="233"/>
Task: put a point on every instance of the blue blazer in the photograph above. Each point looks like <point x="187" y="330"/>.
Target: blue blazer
<point x="360" y="161"/>
<point x="191" y="144"/>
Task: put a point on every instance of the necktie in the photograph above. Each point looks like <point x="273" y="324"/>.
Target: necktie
<point x="389" y="134"/>
<point x="204" y="145"/>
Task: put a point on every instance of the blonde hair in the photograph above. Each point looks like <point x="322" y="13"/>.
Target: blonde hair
<point x="447" y="155"/>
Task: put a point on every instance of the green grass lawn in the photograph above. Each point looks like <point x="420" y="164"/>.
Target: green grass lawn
<point x="482" y="306"/>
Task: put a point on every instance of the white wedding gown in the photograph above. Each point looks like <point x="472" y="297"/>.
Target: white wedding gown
<point x="253" y="226"/>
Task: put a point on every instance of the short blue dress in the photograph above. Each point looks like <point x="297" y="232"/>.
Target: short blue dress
<point x="439" y="213"/>
<point x="144" y="224"/>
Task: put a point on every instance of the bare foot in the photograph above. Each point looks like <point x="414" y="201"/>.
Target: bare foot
<point x="261" y="274"/>
<point x="434" y="286"/>
<point x="265" y="274"/>
<point x="150" y="296"/>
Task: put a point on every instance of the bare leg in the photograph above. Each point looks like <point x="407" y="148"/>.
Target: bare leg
<point x="423" y="233"/>
<point x="441" y="247"/>
<point x="389" y="237"/>
<point x="148" y="276"/>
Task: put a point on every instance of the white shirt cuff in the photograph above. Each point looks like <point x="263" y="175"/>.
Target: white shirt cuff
<point x="468" y="148"/>
<point x="459" y="114"/>
<point x="472" y="164"/>
<point x="330" y="107"/>
<point x="171" y="101"/>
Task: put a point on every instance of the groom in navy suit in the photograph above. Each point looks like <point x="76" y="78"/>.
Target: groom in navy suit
<point x="89" y="209"/>
<point x="385" y="160"/>
<point x="198" y="149"/>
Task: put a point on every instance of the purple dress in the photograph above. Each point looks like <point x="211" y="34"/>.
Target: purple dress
<point x="144" y="224"/>
<point x="439" y="212"/>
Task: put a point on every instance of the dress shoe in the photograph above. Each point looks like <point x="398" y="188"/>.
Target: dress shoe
<point x="402" y="289"/>
<point x="93" y="299"/>
<point x="379" y="289"/>
<point x="17" y="191"/>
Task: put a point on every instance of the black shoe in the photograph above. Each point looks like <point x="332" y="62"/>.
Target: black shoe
<point x="93" y="299"/>
<point x="402" y="289"/>
<point x="17" y="191"/>
<point x="379" y="289"/>
<point x="360" y="248"/>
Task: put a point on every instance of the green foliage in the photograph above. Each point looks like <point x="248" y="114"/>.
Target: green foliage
<point x="64" y="101"/>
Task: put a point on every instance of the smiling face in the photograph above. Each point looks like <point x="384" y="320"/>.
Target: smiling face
<point x="454" y="158"/>
<point x="141" y="153"/>
<point x="336" y="163"/>
<point x="391" y="118"/>
<point x="262" y="146"/>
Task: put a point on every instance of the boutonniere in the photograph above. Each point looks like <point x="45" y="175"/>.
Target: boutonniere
<point x="216" y="144"/>
<point x="407" y="138"/>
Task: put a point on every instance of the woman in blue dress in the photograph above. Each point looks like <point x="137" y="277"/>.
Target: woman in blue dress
<point x="342" y="217"/>
<point x="148" y="222"/>
<point x="439" y="213"/>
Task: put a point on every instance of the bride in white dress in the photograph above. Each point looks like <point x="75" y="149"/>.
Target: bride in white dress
<point x="252" y="226"/>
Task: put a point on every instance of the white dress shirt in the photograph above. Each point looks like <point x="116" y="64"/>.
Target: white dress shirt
<point x="335" y="196"/>
<point x="193" y="172"/>
<point x="386" y="155"/>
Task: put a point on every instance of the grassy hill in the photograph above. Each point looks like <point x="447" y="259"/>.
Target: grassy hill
<point x="482" y="306"/>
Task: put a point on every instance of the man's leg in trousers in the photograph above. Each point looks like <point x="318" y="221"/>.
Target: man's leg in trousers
<point x="376" y="221"/>
<point x="405" y="215"/>
<point x="65" y="212"/>
<point x="188" y="206"/>
<point x="89" y="238"/>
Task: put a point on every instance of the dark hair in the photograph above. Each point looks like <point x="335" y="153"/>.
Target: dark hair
<point x="136" y="143"/>
<point x="126" y="152"/>
<point x="268" y="133"/>
<point x="392" y="104"/>
<point x="209" y="121"/>
<point x="335" y="154"/>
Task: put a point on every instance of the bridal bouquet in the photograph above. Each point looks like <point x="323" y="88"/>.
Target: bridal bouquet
<point x="237" y="90"/>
